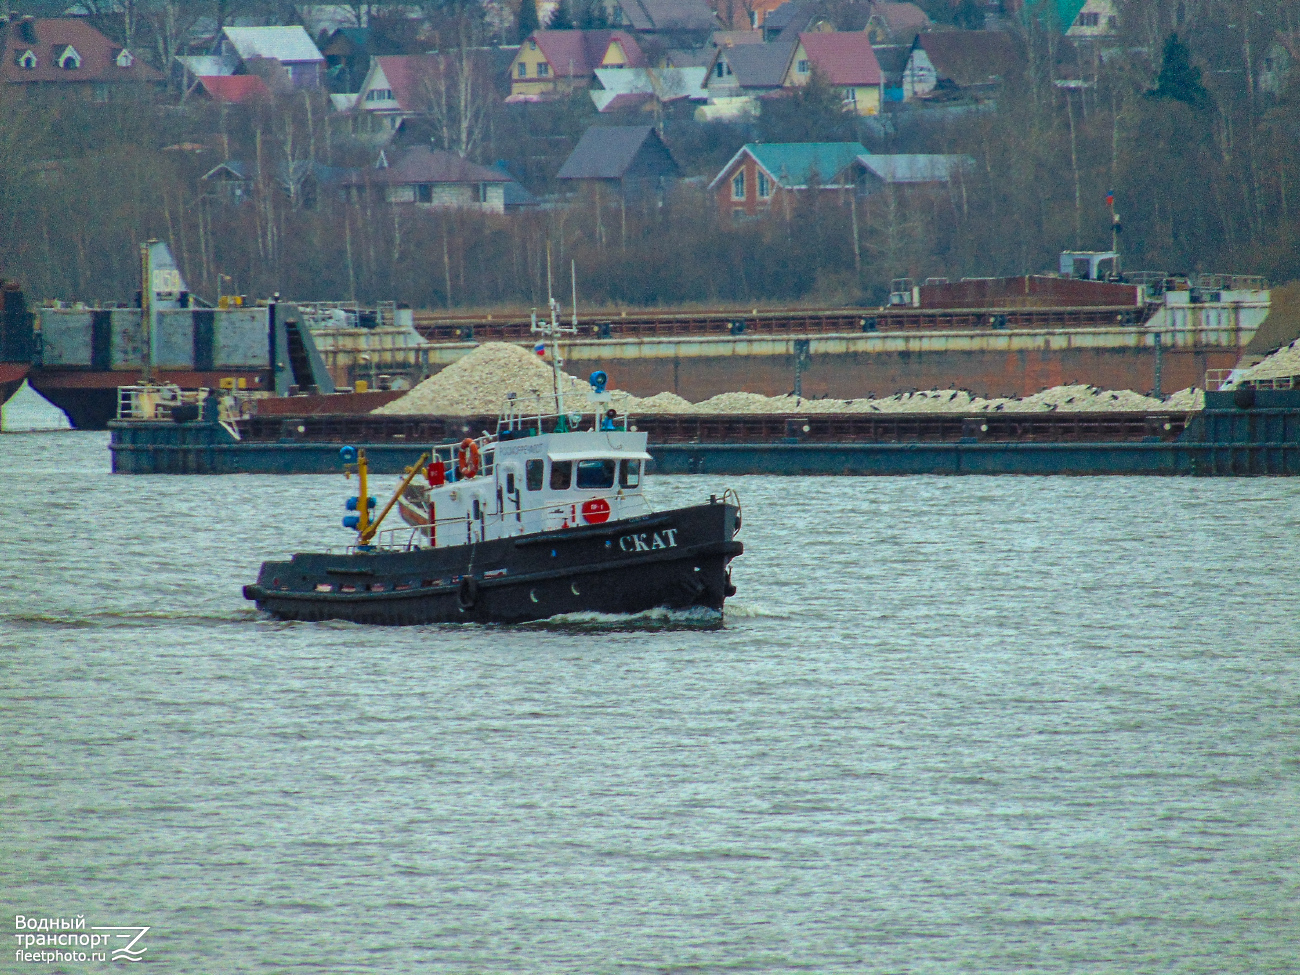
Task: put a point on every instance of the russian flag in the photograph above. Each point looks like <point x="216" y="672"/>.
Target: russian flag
<point x="1110" y="198"/>
<point x="540" y="349"/>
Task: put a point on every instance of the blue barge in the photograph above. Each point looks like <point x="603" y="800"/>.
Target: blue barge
<point x="1243" y="432"/>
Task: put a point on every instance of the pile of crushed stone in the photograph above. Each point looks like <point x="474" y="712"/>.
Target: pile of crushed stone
<point x="1282" y="364"/>
<point x="478" y="383"/>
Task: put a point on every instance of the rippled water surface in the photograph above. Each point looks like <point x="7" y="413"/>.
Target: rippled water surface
<point x="948" y="725"/>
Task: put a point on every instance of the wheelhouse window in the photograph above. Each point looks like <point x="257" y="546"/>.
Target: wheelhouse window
<point x="630" y="474"/>
<point x="561" y="475"/>
<point x="510" y="482"/>
<point x="596" y="474"/>
<point x="534" y="474"/>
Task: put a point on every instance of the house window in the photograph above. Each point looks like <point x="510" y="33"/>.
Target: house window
<point x="27" y="60"/>
<point x="1087" y="19"/>
<point x="851" y="95"/>
<point x="124" y="59"/>
<point x="543" y="70"/>
<point x="70" y="60"/>
<point x="1112" y="23"/>
<point x="764" y="186"/>
<point x="738" y="186"/>
<point x="482" y="192"/>
<point x="424" y="193"/>
<point x="532" y="45"/>
<point x="802" y="66"/>
<point x="523" y="70"/>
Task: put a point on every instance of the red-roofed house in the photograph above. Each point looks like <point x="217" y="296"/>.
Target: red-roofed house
<point x="69" y="56"/>
<point x="844" y="61"/>
<point x="395" y="87"/>
<point x="555" y="60"/>
<point x="234" y="89"/>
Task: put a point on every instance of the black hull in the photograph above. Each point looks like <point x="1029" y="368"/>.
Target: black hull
<point x="674" y="559"/>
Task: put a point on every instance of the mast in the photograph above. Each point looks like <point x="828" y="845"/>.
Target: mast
<point x="550" y="329"/>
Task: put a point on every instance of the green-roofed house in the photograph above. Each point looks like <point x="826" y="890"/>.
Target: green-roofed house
<point x="761" y="173"/>
<point x="1080" y="19"/>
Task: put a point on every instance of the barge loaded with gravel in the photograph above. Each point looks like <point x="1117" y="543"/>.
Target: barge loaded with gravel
<point x="1249" y="427"/>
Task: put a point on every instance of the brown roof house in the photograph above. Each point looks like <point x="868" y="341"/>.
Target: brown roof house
<point x="895" y="23"/>
<point x="432" y="179"/>
<point x="846" y="62"/>
<point x="664" y="17"/>
<point x="552" y="62"/>
<point x="960" y="63"/>
<point x="630" y="160"/>
<point x="69" y="56"/>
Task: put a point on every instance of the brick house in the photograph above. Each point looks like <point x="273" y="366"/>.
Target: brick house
<point x="761" y="175"/>
<point x="69" y="56"/>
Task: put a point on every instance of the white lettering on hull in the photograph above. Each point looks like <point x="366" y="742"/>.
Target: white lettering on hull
<point x="649" y="541"/>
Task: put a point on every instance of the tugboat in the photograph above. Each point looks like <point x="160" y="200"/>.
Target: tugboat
<point x="543" y="517"/>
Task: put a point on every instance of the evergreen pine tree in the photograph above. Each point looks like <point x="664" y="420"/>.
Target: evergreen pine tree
<point x="1179" y="79"/>
<point x="527" y="20"/>
<point x="562" y="19"/>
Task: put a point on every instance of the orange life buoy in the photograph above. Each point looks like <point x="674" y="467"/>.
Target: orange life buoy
<point x="467" y="458"/>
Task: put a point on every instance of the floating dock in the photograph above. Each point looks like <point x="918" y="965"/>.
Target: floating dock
<point x="1242" y="432"/>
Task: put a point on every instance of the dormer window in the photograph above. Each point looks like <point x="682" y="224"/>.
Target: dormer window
<point x="125" y="59"/>
<point x="27" y="61"/>
<point x="802" y="66"/>
<point x="68" y="59"/>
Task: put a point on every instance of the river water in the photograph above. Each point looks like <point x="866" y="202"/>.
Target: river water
<point x="948" y="725"/>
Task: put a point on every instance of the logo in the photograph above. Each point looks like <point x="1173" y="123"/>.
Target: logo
<point x="128" y="951"/>
<point x="649" y="541"/>
<point x="57" y="939"/>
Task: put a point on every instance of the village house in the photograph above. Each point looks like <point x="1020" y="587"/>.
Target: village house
<point x="896" y="23"/>
<point x="68" y="56"/>
<point x="235" y="89"/>
<point x="871" y="174"/>
<point x="626" y="160"/>
<point x="669" y="18"/>
<point x="846" y="62"/>
<point x="960" y="64"/>
<point x="290" y="47"/>
<point x="396" y="87"/>
<point x="557" y="61"/>
<point x="427" y="178"/>
<point x="761" y="175"/>
<point x="347" y="55"/>
<point x="1095" y="18"/>
<point x="621" y="89"/>
<point x="739" y="76"/>
<point x="232" y="182"/>
<point x="1279" y="61"/>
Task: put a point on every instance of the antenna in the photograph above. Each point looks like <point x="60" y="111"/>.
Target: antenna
<point x="573" y="277"/>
